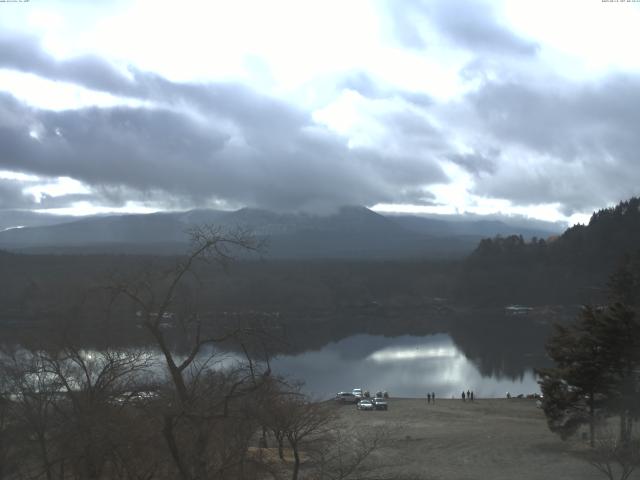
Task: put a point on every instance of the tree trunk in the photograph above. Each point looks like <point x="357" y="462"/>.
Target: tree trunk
<point x="201" y="450"/>
<point x="592" y="421"/>
<point x="263" y="439"/>
<point x="280" y="441"/>
<point x="296" y="461"/>
<point x="174" y="371"/>
<point x="167" y="432"/>
<point x="45" y="456"/>
<point x="624" y="428"/>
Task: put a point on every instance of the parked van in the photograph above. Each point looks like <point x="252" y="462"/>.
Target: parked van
<point x="346" y="397"/>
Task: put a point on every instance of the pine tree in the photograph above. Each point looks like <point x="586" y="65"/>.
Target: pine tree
<point x="597" y="372"/>
<point x="575" y="388"/>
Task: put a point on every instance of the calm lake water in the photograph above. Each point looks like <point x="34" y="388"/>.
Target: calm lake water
<point x="491" y="355"/>
<point x="405" y="366"/>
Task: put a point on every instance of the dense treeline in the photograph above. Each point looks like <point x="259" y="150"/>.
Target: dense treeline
<point x="31" y="284"/>
<point x="572" y="268"/>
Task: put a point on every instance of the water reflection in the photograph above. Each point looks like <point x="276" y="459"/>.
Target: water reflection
<point x="406" y="366"/>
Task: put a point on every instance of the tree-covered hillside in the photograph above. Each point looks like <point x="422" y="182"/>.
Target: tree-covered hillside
<point x="570" y="268"/>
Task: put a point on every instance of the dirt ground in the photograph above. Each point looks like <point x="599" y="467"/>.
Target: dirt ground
<point x="488" y="439"/>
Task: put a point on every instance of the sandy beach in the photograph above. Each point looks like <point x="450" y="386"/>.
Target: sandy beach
<point x="454" y="440"/>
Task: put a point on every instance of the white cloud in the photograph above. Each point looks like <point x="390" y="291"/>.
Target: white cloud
<point x="88" y="208"/>
<point x="57" y="187"/>
<point x="47" y="94"/>
<point x="593" y="36"/>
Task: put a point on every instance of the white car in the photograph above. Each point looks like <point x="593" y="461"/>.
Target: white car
<point x="357" y="392"/>
<point x="366" y="404"/>
<point x="380" y="403"/>
<point x="346" y="397"/>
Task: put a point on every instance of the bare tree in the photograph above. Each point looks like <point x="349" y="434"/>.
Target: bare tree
<point x="91" y="414"/>
<point x="202" y="402"/>
<point x="94" y="383"/>
<point x="32" y="394"/>
<point x="615" y="458"/>
<point x="5" y="425"/>
<point x="349" y="453"/>
<point x="65" y="404"/>
<point x="291" y="417"/>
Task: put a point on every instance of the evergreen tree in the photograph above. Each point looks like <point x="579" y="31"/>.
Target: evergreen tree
<point x="597" y="372"/>
<point x="574" y="390"/>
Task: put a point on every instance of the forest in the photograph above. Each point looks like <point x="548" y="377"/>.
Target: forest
<point x="571" y="269"/>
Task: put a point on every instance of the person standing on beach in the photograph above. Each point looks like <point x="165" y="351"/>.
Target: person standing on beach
<point x="463" y="397"/>
<point x="428" y="398"/>
<point x="433" y="397"/>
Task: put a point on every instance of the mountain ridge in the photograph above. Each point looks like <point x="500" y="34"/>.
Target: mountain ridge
<point x="352" y="231"/>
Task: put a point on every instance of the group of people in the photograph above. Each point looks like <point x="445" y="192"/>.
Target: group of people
<point x="468" y="395"/>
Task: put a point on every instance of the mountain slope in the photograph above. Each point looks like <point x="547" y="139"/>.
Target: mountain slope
<point x="477" y="228"/>
<point x="351" y="232"/>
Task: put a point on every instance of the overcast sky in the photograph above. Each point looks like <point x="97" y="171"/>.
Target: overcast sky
<point x="516" y="107"/>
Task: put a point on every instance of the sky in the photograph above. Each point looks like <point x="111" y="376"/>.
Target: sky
<point x="514" y="107"/>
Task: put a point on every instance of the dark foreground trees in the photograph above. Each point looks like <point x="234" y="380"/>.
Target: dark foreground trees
<point x="596" y="381"/>
<point x="181" y="409"/>
<point x="597" y="370"/>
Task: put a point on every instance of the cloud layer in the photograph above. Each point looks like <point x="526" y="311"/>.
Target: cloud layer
<point x="513" y="128"/>
<point x="202" y="142"/>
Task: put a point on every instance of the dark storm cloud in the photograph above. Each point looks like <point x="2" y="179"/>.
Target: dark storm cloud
<point x="583" y="136"/>
<point x="476" y="163"/>
<point x="23" y="53"/>
<point x="105" y="145"/>
<point x="235" y="101"/>
<point x="413" y="126"/>
<point x="276" y="166"/>
<point x="469" y="24"/>
<point x="12" y="196"/>
<point x="564" y="119"/>
<point x="573" y="144"/>
<point x="416" y="196"/>
<point x="236" y="145"/>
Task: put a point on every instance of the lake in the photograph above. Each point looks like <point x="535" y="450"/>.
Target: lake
<point x="405" y="366"/>
<point x="491" y="354"/>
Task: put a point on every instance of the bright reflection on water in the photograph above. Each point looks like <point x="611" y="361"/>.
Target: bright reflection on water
<point x="405" y="366"/>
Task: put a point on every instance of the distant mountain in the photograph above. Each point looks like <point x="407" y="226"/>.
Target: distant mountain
<point x="10" y="219"/>
<point x="351" y="232"/>
<point x="477" y="228"/>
